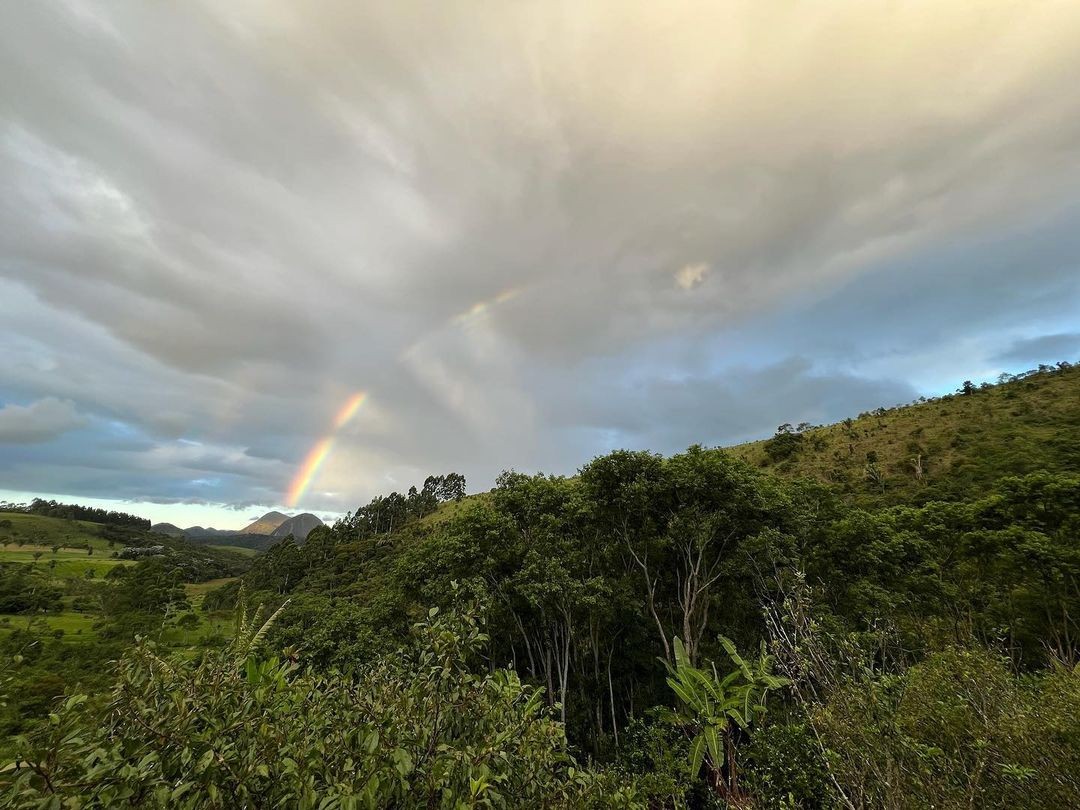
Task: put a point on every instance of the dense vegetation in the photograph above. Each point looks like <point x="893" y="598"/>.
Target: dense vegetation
<point x="690" y="631"/>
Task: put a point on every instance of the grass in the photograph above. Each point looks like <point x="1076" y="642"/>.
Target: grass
<point x="22" y="536"/>
<point x="243" y="552"/>
<point x="448" y="510"/>
<point x="69" y="562"/>
<point x="964" y="443"/>
<point x="196" y="591"/>
<point x="38" y="535"/>
<point x="78" y="627"/>
<point x="41" y="531"/>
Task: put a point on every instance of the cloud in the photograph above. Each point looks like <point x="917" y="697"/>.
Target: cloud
<point x="689" y="276"/>
<point x="40" y="421"/>
<point x="1043" y="349"/>
<point x="221" y="219"/>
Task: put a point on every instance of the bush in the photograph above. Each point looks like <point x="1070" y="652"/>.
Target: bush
<point x="784" y="766"/>
<point x="417" y="729"/>
<point x="958" y="730"/>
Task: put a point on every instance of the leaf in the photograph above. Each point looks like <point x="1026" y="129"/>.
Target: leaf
<point x="684" y="691"/>
<point x="681" y="658"/>
<point x="713" y="741"/>
<point x="729" y="648"/>
<point x="737" y="716"/>
<point x="697" y="754"/>
<point x="204" y="760"/>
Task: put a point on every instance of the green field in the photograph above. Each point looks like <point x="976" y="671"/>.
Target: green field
<point x="68" y="562"/>
<point x="76" y="627"/>
<point x="79" y="547"/>
<point x="945" y="448"/>
<point x="244" y="552"/>
<point x="197" y="590"/>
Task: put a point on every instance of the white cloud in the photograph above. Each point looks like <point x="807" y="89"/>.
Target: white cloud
<point x="40" y="421"/>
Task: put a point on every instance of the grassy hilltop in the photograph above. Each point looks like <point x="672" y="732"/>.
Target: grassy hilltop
<point x="941" y="449"/>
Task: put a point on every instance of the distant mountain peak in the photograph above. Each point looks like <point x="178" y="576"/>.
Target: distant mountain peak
<point x="266" y="524"/>
<point x="299" y="527"/>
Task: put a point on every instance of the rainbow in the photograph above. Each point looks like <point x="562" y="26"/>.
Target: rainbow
<point x="319" y="453"/>
<point x="349" y="409"/>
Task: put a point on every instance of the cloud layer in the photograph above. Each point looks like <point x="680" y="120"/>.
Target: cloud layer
<point x="40" y="421"/>
<point x="530" y="232"/>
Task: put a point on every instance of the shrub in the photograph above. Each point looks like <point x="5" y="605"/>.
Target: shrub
<point x="418" y="729"/>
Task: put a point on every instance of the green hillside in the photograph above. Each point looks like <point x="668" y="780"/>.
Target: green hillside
<point x="963" y="443"/>
<point x="21" y="529"/>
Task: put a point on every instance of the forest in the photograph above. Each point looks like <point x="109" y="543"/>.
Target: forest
<point x="881" y="613"/>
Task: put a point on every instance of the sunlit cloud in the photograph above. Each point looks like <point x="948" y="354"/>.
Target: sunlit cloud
<point x="690" y="275"/>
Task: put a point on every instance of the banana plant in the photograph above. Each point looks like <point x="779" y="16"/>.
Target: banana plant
<point x="712" y="709"/>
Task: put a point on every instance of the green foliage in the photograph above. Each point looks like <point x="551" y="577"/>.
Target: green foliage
<point x="27" y="589"/>
<point x="786" y="443"/>
<point x="783" y="768"/>
<point x="417" y="729"/>
<point x="70" y="511"/>
<point x="938" y="542"/>
<point x="958" y="730"/>
<point x="653" y="754"/>
<point x="713" y="711"/>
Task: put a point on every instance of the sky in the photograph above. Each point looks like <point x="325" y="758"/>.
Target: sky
<point x="261" y="253"/>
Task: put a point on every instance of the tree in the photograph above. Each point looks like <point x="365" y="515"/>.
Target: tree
<point x="713" y="710"/>
<point x="421" y="728"/>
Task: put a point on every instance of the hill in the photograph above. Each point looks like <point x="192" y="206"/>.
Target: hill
<point x="299" y="527"/>
<point x="951" y="447"/>
<point x="266" y="524"/>
<point x="258" y="536"/>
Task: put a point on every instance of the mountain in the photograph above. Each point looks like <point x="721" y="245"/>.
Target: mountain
<point x="299" y="527"/>
<point x="266" y="524"/>
<point x="260" y="535"/>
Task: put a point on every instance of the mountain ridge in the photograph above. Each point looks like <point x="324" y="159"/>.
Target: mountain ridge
<point x="260" y="534"/>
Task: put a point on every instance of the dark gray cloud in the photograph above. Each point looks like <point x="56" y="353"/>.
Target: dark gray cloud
<point x="529" y="232"/>
<point x="39" y="421"/>
<point x="1043" y="349"/>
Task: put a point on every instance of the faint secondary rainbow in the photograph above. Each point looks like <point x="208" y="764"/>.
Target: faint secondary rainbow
<point x="480" y="307"/>
<point x="319" y="453"/>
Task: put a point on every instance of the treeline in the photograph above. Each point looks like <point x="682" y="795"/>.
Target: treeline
<point x="72" y="511"/>
<point x="385" y="513"/>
